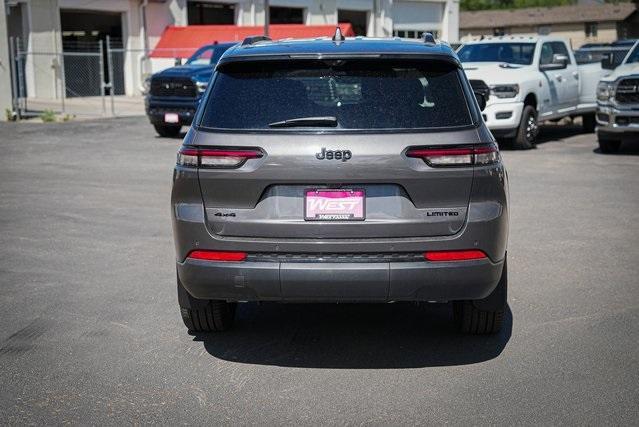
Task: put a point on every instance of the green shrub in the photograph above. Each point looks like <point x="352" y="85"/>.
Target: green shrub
<point x="10" y="115"/>
<point x="47" y="116"/>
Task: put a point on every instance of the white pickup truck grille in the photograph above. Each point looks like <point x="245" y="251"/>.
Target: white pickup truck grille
<point x="627" y="91"/>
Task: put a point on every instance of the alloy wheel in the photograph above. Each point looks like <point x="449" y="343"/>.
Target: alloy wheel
<point x="532" y="128"/>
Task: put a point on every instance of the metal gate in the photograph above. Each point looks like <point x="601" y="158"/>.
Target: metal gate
<point x="87" y="78"/>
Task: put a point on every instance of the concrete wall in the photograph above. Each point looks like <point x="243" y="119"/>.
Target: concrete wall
<point x="43" y="68"/>
<point x="450" y="22"/>
<point x="574" y="33"/>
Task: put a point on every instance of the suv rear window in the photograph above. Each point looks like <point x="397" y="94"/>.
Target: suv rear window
<point x="358" y="94"/>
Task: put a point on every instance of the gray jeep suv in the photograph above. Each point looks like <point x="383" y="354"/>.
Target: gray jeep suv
<point x="340" y="170"/>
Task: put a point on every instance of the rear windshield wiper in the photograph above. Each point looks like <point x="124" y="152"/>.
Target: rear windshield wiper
<point x="327" y="121"/>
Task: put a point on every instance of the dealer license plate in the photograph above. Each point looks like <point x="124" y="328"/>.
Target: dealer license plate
<point x="171" y="118"/>
<point x="334" y="205"/>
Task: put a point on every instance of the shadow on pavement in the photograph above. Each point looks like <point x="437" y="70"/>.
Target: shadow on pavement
<point x="549" y="133"/>
<point x="171" y="138"/>
<point x="559" y="132"/>
<point x="352" y="336"/>
<point x="627" y="148"/>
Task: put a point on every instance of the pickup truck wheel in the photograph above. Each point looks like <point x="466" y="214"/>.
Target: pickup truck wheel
<point x="528" y="129"/>
<point x="609" y="146"/>
<point x="485" y="316"/>
<point x="168" y="131"/>
<point x="204" y="315"/>
<point x="588" y="122"/>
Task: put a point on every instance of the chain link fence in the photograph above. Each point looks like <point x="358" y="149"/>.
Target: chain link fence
<point x="83" y="79"/>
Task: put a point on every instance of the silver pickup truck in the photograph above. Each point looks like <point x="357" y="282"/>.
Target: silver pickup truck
<point x="618" y="104"/>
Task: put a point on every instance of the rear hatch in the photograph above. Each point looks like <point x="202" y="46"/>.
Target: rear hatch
<point x="300" y="129"/>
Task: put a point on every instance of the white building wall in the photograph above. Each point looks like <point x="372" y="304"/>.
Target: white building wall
<point x="450" y="22"/>
<point x="43" y="68"/>
<point x="44" y="74"/>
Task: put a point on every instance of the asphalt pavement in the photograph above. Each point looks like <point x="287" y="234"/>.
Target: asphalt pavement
<point x="90" y="331"/>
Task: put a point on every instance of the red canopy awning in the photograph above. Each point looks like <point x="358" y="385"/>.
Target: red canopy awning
<point x="182" y="42"/>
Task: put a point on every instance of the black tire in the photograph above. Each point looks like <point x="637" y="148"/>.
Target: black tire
<point x="528" y="129"/>
<point x="609" y="146"/>
<point x="205" y="315"/>
<point x="588" y="123"/>
<point x="485" y="316"/>
<point x="168" y="131"/>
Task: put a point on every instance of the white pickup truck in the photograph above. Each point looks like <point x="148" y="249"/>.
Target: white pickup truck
<point x="527" y="80"/>
<point x="618" y="104"/>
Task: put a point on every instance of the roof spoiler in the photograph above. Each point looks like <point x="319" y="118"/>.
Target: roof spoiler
<point x="254" y="39"/>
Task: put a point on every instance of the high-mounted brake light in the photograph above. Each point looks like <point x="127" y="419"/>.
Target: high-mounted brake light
<point x="215" y="158"/>
<point x="457" y="156"/>
<point x="438" y="256"/>
<point x="217" y="256"/>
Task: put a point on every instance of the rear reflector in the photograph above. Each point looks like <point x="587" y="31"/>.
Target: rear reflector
<point x="457" y="156"/>
<point x="217" y="255"/>
<point x="214" y="158"/>
<point x="454" y="255"/>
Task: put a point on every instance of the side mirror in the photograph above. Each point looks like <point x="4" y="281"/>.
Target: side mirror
<point x="608" y="61"/>
<point x="481" y="100"/>
<point x="559" y="62"/>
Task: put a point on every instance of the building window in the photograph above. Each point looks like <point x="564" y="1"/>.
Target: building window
<point x="500" y="31"/>
<point x="591" y="29"/>
<point x="358" y="19"/>
<point x="414" y="34"/>
<point x="204" y="13"/>
<point x="286" y="15"/>
<point x="544" y="30"/>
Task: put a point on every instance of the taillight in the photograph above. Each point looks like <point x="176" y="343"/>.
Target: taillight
<point x="465" y="255"/>
<point x="217" y="255"/>
<point x="215" y="158"/>
<point x="457" y="156"/>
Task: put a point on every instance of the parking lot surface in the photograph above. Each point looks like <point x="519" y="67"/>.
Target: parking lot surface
<point x="90" y="329"/>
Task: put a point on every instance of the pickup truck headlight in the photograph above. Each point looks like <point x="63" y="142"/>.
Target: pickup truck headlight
<point x="505" y="91"/>
<point x="605" y="91"/>
<point x="201" y="86"/>
<point x="147" y="85"/>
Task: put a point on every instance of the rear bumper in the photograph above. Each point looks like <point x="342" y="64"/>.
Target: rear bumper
<point x="337" y="282"/>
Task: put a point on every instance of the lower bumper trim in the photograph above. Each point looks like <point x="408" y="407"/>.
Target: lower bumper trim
<point x="340" y="282"/>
